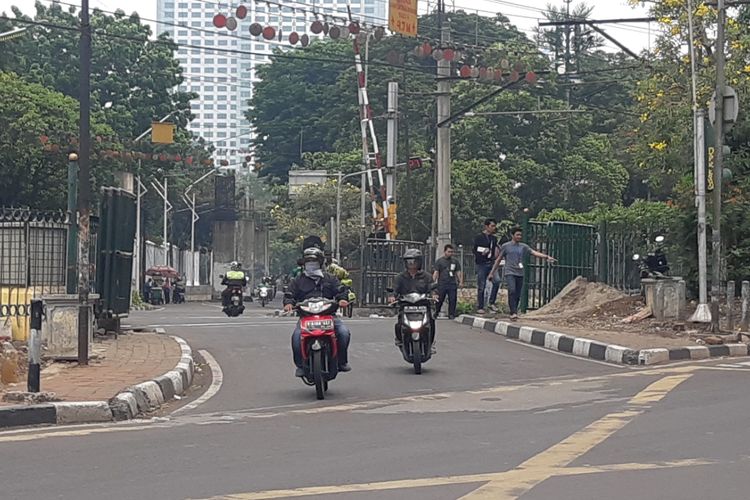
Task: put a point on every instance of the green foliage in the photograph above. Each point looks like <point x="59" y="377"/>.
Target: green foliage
<point x="31" y="175"/>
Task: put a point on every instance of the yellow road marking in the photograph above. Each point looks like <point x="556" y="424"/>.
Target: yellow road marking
<point x="451" y="480"/>
<point x="553" y="461"/>
<point x="541" y="467"/>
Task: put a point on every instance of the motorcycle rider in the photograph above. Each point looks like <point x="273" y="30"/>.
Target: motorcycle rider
<point x="413" y="280"/>
<point x="235" y="277"/>
<point x="334" y="268"/>
<point x="315" y="282"/>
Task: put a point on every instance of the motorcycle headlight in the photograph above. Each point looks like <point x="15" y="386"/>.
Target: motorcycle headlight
<point x="315" y="307"/>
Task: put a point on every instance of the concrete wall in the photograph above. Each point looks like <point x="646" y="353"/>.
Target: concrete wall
<point x="60" y="325"/>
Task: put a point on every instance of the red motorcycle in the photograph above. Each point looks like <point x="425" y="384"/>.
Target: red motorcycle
<point x="319" y="349"/>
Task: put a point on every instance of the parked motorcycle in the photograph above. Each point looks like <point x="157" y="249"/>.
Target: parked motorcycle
<point x="352" y="297"/>
<point x="236" y="305"/>
<point x="416" y="322"/>
<point x="319" y="348"/>
<point x="654" y="264"/>
<point x="178" y="294"/>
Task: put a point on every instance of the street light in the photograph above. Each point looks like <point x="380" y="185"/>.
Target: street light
<point x="190" y="201"/>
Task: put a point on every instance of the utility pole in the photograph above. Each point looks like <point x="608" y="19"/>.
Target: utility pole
<point x="443" y="175"/>
<point x="72" y="248"/>
<point x="84" y="184"/>
<point x="718" y="168"/>
<point x="702" y="313"/>
<point x="392" y="139"/>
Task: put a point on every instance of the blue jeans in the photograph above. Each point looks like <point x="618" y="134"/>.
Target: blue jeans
<point x="483" y="272"/>
<point x="515" y="287"/>
<point x="343" y="335"/>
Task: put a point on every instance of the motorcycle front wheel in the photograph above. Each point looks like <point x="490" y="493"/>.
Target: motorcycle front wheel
<point x="317" y="372"/>
<point x="416" y="354"/>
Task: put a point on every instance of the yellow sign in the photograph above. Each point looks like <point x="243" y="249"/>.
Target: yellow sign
<point x="162" y="133"/>
<point x="402" y="17"/>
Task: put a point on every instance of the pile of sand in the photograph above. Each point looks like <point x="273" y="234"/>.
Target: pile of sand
<point x="579" y="298"/>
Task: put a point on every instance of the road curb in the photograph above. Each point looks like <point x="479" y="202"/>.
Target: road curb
<point x="128" y="404"/>
<point x="592" y="349"/>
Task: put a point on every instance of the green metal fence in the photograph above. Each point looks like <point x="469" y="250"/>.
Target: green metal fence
<point x="574" y="247"/>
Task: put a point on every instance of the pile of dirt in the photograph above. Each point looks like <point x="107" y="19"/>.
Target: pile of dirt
<point x="579" y="298"/>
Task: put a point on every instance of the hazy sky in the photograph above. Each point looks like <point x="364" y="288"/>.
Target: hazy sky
<point x="523" y="13"/>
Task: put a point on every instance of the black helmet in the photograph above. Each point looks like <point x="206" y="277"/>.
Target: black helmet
<point x="313" y="254"/>
<point x="415" y="255"/>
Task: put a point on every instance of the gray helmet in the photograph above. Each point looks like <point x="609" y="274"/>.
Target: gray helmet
<point x="415" y="255"/>
<point x="314" y="254"/>
<point x="235" y="266"/>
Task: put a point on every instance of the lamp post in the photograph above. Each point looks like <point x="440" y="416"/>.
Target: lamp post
<point x="189" y="199"/>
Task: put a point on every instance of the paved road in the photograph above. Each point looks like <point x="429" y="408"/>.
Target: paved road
<point x="488" y="419"/>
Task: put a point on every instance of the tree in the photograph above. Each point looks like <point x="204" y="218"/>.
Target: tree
<point x="135" y="73"/>
<point x="30" y="116"/>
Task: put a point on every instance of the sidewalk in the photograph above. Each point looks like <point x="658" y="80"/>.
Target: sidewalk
<point x="116" y="365"/>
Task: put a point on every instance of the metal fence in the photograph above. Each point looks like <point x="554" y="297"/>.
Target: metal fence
<point x="383" y="261"/>
<point x="33" y="257"/>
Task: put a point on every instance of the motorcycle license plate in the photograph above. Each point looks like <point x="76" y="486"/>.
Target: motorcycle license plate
<point x="323" y="324"/>
<point x="415" y="309"/>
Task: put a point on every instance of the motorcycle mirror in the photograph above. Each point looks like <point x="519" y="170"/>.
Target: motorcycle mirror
<point x="433" y="287"/>
<point x="660" y="239"/>
<point x="389" y="290"/>
<point x="636" y="257"/>
<point x="221" y="276"/>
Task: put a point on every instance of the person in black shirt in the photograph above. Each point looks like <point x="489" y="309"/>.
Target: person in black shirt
<point x="485" y="253"/>
<point x="449" y="277"/>
<point x="412" y="280"/>
<point x="315" y="282"/>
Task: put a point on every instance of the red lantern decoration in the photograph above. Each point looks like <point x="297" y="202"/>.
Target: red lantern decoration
<point x="482" y="72"/>
<point x="334" y="32"/>
<point x="220" y="20"/>
<point x="426" y="49"/>
<point x="231" y="24"/>
<point x="437" y="54"/>
<point x="449" y="54"/>
<point x="43" y="139"/>
<point x="189" y="160"/>
<point x="316" y="27"/>
<point x="177" y="158"/>
<point x="531" y="77"/>
<point x="514" y="76"/>
<point x="498" y="75"/>
<point x="294" y="38"/>
<point x="224" y="163"/>
<point x="269" y="33"/>
<point x="465" y="71"/>
<point x="354" y="28"/>
<point x="163" y="157"/>
<point x="256" y="29"/>
<point x="241" y="12"/>
<point x="305" y="40"/>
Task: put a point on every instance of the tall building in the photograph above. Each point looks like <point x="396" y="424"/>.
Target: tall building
<point x="224" y="78"/>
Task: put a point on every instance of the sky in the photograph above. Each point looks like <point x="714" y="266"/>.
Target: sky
<point x="525" y="14"/>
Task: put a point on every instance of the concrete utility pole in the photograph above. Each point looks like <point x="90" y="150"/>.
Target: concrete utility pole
<point x="702" y="313"/>
<point x="84" y="184"/>
<point x="443" y="175"/>
<point x="392" y="139"/>
<point x="718" y="167"/>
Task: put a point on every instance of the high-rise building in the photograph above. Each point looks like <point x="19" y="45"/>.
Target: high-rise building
<point x="224" y="78"/>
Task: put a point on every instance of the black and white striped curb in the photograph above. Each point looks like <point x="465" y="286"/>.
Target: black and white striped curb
<point x="130" y="403"/>
<point x="611" y="353"/>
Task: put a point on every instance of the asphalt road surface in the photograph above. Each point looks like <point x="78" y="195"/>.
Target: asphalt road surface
<point x="488" y="419"/>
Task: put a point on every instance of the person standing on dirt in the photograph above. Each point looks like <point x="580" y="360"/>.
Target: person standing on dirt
<point x="514" y="253"/>
<point x="485" y="251"/>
